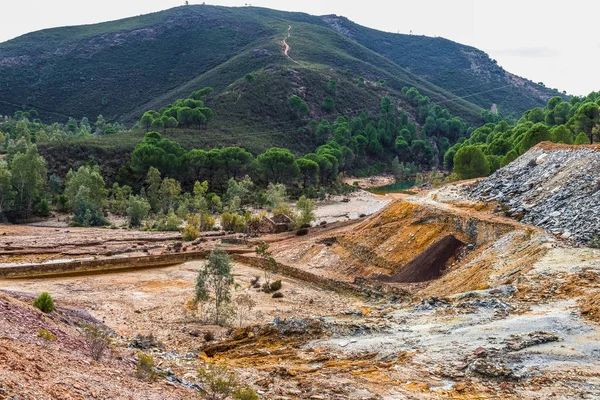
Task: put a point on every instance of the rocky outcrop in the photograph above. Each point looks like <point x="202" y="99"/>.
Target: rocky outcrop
<point x="551" y="186"/>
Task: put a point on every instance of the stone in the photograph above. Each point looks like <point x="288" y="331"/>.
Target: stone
<point x="480" y="352"/>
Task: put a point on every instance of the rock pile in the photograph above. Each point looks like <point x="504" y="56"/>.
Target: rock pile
<point x="557" y="189"/>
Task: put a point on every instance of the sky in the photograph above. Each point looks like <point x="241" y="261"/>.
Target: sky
<point x="554" y="42"/>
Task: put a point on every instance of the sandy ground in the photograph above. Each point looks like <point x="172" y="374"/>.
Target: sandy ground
<point x="371" y="181"/>
<point x="131" y="301"/>
<point x="157" y="301"/>
<point x="353" y="206"/>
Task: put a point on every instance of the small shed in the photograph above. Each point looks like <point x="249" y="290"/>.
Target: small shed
<point x="276" y="224"/>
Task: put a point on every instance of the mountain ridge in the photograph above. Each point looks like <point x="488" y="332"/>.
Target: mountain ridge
<point x="119" y="67"/>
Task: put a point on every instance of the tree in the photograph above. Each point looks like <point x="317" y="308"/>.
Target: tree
<point x="470" y="162"/>
<point x="309" y="170"/>
<point x="328" y="104"/>
<point x="7" y="194"/>
<point x="298" y="106"/>
<point x="118" y="198"/>
<point x="332" y="86"/>
<point x="262" y="251"/>
<point x="245" y="304"/>
<point x="201" y="94"/>
<point x="215" y="281"/>
<point x="306" y="209"/>
<point x="147" y="119"/>
<point x="137" y="210"/>
<point x="169" y="193"/>
<point x="28" y="180"/>
<point x="153" y="182"/>
<point x="155" y="151"/>
<point x="588" y="119"/>
<point x="582" y="138"/>
<point x="236" y="161"/>
<point x="561" y="134"/>
<point x="536" y="134"/>
<point x="91" y="178"/>
<point x="275" y="195"/>
<point x="277" y="165"/>
<point x="85" y="211"/>
<point x="100" y="125"/>
<point x="421" y="152"/>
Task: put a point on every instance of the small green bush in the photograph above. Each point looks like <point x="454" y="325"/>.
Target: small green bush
<point x="44" y="303"/>
<point x="46" y="335"/>
<point x="245" y="394"/>
<point x="275" y="286"/>
<point x="98" y="340"/>
<point x="277" y="295"/>
<point x="145" y="367"/>
<point x="190" y="233"/>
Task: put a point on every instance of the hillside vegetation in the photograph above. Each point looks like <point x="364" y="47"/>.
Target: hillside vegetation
<point x="123" y="68"/>
<point x="495" y="145"/>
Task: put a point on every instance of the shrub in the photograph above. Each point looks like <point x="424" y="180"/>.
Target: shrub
<point x="145" y="367"/>
<point x="46" y="335"/>
<point x="302" y="232"/>
<point x="218" y="382"/>
<point x="277" y="295"/>
<point x="169" y="223"/>
<point x="97" y="338"/>
<point x="137" y="210"/>
<point x="44" y="303"/>
<point x="275" y="286"/>
<point x="209" y="336"/>
<point x="245" y="394"/>
<point x="233" y="222"/>
<point x="190" y="233"/>
<point x="255" y="282"/>
<point x="207" y="221"/>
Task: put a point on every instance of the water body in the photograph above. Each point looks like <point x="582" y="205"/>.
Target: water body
<point x="393" y="188"/>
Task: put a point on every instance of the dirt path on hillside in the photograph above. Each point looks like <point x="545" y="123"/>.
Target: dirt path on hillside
<point x="449" y="198"/>
<point x="286" y="46"/>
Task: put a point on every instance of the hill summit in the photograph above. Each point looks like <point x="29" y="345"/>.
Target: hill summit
<point x="122" y="68"/>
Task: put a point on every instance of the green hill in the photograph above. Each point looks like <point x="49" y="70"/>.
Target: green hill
<point x="122" y="68"/>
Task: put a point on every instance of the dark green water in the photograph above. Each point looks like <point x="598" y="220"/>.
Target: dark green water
<point x="393" y="188"/>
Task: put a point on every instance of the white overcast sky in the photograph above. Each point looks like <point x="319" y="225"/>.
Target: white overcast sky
<point x="555" y="42"/>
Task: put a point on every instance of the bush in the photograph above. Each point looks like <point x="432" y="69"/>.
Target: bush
<point x="170" y="223"/>
<point x="44" y="303"/>
<point x="233" y="222"/>
<point x="218" y="382"/>
<point x="209" y="336"/>
<point x="277" y="295"/>
<point x="137" y="210"/>
<point x="46" y="335"/>
<point x="275" y="286"/>
<point x="145" y="367"/>
<point x="190" y="233"/>
<point x="245" y="394"/>
<point x="302" y="232"/>
<point x="97" y="338"/>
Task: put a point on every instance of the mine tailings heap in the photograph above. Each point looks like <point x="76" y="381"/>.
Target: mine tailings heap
<point x="555" y="187"/>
